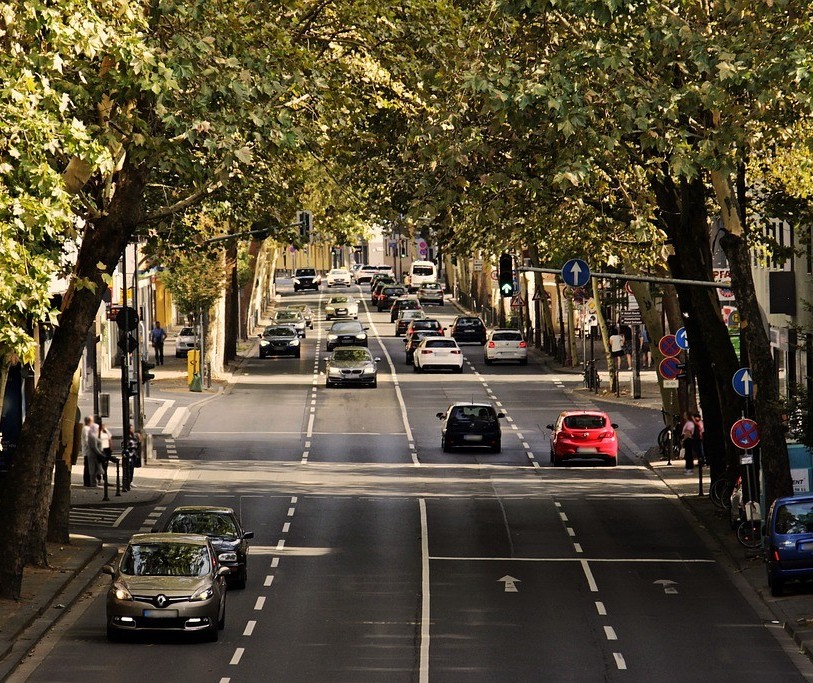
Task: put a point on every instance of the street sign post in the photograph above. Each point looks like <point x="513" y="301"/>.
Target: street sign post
<point x="743" y="383"/>
<point x="668" y="368"/>
<point x="576" y="273"/>
<point x="745" y="434"/>
<point x="681" y="340"/>
<point x="668" y="346"/>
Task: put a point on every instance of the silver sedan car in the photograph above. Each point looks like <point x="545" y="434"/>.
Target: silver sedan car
<point x="293" y="318"/>
<point x="351" y="365"/>
<point x="305" y="310"/>
<point x="167" y="582"/>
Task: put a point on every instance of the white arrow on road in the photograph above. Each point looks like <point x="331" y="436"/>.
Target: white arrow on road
<point x="668" y="586"/>
<point x="510" y="583"/>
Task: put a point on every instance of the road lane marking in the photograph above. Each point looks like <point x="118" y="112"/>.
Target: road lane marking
<point x="286" y="527"/>
<point x="249" y="628"/>
<point x="591" y="581"/>
<point x="274" y="562"/>
<point x="609" y="631"/>
<point x="423" y="676"/>
<point x="619" y="560"/>
<point x="259" y="604"/>
<point x="268" y="580"/>
<point x="291" y="512"/>
<point x="619" y="661"/>
<point x="578" y="547"/>
<point x="294" y="499"/>
<point x="563" y="516"/>
<point x="167" y="403"/>
<point x="601" y="609"/>
<point x="281" y="544"/>
<point x="570" y="532"/>
<point x="238" y="653"/>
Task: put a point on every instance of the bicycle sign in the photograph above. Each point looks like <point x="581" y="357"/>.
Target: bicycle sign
<point x="668" y="346"/>
<point x="668" y="368"/>
<point x="745" y="434"/>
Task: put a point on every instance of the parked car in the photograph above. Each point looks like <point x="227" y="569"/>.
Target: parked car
<point x="405" y="318"/>
<point x="365" y="274"/>
<point x="186" y="340"/>
<point x="407" y="302"/>
<point x="789" y="541"/>
<point x="437" y="352"/>
<point x="351" y="365"/>
<point x="471" y="425"/>
<point x="305" y="310"/>
<point x="412" y="340"/>
<point x="346" y="333"/>
<point x="306" y="278"/>
<point x="505" y="345"/>
<point x="468" y="328"/>
<point x="341" y="307"/>
<point x="223" y="528"/>
<point x="295" y="319"/>
<point x="167" y="582"/>
<point x="583" y="435"/>
<point x="430" y="293"/>
<point x="387" y="295"/>
<point x="338" y="277"/>
<point x="279" y="339"/>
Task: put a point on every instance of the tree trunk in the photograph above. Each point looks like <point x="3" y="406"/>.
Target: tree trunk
<point x="103" y="242"/>
<point x="59" y="514"/>
<point x="231" y="316"/>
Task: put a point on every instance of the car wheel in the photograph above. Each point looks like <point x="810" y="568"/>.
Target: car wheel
<point x="523" y="361"/>
<point x="242" y="578"/>
<point x="298" y="354"/>
<point x="612" y="463"/>
<point x="374" y="385"/>
<point x="416" y="368"/>
<point x="445" y="446"/>
<point x="211" y="634"/>
<point x="397" y="333"/>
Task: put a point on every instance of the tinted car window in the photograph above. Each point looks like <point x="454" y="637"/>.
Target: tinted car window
<point x="166" y="559"/>
<point x="473" y="413"/>
<point x="346" y="328"/>
<point x="423" y="270"/>
<point x="352" y="354"/>
<point x="186" y="332"/>
<point x="507" y="336"/>
<point x="394" y="291"/>
<point x="469" y="322"/>
<point x="584" y="422"/>
<point x="339" y="300"/>
<point x="278" y="332"/>
<point x="442" y="343"/>
<point x="794" y="518"/>
<point x="305" y="271"/>
<point x="205" y="523"/>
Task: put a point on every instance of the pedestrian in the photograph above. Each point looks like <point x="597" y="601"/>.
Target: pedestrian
<point x="627" y="333"/>
<point x="616" y="348"/>
<point x="646" y="351"/>
<point x="96" y="454"/>
<point x="88" y="473"/>
<point x="132" y="451"/>
<point x="106" y="442"/>
<point x="157" y="336"/>
<point x="687" y="442"/>
<point x="697" y="439"/>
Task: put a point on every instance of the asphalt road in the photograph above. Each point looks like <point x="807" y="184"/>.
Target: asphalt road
<point x="377" y="557"/>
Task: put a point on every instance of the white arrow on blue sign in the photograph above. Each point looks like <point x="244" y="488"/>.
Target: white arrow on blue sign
<point x="681" y="339"/>
<point x="576" y="273"/>
<point x="743" y="383"/>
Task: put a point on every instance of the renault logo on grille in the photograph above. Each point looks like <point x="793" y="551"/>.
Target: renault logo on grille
<point x="161" y="600"/>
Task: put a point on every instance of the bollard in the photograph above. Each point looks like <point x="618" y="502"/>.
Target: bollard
<point x="118" y="479"/>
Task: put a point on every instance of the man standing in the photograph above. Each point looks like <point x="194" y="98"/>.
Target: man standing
<point x="89" y="472"/>
<point x="687" y="441"/>
<point x="157" y="336"/>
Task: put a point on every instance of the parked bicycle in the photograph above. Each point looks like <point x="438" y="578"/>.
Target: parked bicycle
<point x="592" y="380"/>
<point x="669" y="436"/>
<point x="722" y="488"/>
<point x="749" y="532"/>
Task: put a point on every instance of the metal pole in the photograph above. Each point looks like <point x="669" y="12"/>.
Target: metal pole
<point x="125" y="370"/>
<point x="637" y="278"/>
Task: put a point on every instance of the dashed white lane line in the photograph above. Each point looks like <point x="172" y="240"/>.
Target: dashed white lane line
<point x="281" y="544"/>
<point x="526" y="445"/>
<point x="294" y="499"/>
<point x="563" y="516"/>
<point x="259" y="604"/>
<point x="578" y="547"/>
<point x="571" y="532"/>
<point x="238" y="654"/>
<point x="619" y="661"/>
<point x="609" y="631"/>
<point x="291" y="512"/>
<point x="274" y="563"/>
<point x="268" y="580"/>
<point x="249" y="628"/>
<point x="286" y="527"/>
<point x="225" y="680"/>
<point x="601" y="609"/>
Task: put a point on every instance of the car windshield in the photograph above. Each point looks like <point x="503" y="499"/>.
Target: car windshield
<point x="186" y="332"/>
<point x="338" y="271"/>
<point x="441" y="343"/>
<point x="166" y="559"/>
<point x="466" y="414"/>
<point x="305" y="272"/>
<point x="346" y="328"/>
<point x="795" y="518"/>
<point x="394" y="291"/>
<point x="507" y="336"/>
<point x="386" y="269"/>
<point x="426" y="324"/>
<point x="585" y="421"/>
<point x="279" y="332"/>
<point x="351" y="354"/>
<point x="298" y="307"/>
<point x="206" y="523"/>
<point x="288" y="315"/>
<point x="340" y="300"/>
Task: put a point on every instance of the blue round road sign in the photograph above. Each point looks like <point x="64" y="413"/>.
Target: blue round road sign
<point x="668" y="368"/>
<point x="745" y="434"/>
<point x="576" y="273"/>
<point x="743" y="383"/>
<point x="668" y="346"/>
<point x="681" y="340"/>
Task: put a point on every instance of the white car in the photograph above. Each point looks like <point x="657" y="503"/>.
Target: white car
<point x="341" y="307"/>
<point x="437" y="352"/>
<point x="338" y="277"/>
<point x="505" y="345"/>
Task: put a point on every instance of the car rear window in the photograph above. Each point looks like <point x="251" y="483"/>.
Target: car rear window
<point x="585" y="421"/>
<point x="394" y="291"/>
<point x="469" y="322"/>
<point x="472" y="413"/>
<point x="442" y="343"/>
<point x="507" y="336"/>
<point x="186" y="332"/>
<point x="795" y="518"/>
<point x="423" y="270"/>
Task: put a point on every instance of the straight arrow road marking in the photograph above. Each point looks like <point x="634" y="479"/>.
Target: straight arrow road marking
<point x="510" y="583"/>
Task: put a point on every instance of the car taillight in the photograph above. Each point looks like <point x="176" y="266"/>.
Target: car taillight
<point x="605" y="435"/>
<point x="456" y="351"/>
<point x="426" y="351"/>
<point x="491" y="345"/>
<point x="776" y="554"/>
<point x="522" y="345"/>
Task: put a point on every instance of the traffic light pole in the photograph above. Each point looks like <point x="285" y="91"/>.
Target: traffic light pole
<point x="125" y="355"/>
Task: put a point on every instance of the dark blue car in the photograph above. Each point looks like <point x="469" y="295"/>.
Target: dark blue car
<point x="789" y="541"/>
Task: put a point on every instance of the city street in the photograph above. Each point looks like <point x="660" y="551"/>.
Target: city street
<point x="378" y="557"/>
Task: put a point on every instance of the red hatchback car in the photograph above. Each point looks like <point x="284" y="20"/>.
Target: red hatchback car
<point x="583" y="435"/>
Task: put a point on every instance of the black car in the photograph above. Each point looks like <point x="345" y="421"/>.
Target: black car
<point x="471" y="425"/>
<point x="412" y="340"/>
<point x="377" y="279"/>
<point x="305" y="278"/>
<point x="388" y="295"/>
<point x="282" y="339"/>
<point x="403" y="303"/>
<point x="468" y="328"/>
<point x="346" y="333"/>
<point x="224" y="530"/>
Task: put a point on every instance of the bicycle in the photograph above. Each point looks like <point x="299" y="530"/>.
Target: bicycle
<point x="749" y="532"/>
<point x="592" y="380"/>
<point x="669" y="437"/>
<point x="721" y="490"/>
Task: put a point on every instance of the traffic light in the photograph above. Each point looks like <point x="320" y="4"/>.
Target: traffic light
<point x="305" y="219"/>
<point x="506" y="275"/>
<point x="146" y="375"/>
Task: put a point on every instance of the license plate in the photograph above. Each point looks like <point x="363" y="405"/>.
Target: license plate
<point x="586" y="449"/>
<point x="472" y="437"/>
<point x="161" y="613"/>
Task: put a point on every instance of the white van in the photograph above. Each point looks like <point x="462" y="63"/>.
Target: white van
<point x="421" y="272"/>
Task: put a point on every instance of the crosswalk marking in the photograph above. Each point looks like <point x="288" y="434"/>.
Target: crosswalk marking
<point x="109" y="516"/>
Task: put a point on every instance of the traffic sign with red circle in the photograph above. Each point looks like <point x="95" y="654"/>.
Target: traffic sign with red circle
<point x="668" y="346"/>
<point x="745" y="434"/>
<point x="668" y="368"/>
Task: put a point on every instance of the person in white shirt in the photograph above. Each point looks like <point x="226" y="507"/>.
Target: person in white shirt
<point x="616" y="348"/>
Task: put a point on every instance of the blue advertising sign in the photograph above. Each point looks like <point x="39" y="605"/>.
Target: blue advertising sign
<point x="576" y="273"/>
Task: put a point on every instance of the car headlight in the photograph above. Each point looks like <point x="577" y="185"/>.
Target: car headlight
<point x="368" y="371"/>
<point x="204" y="593"/>
<point x="333" y="337"/>
<point x="293" y="342"/>
<point x="334" y="372"/>
<point x="230" y="556"/>
<point x="361" y="336"/>
<point x="121" y="592"/>
<point x="264" y="342"/>
<point x="296" y="280"/>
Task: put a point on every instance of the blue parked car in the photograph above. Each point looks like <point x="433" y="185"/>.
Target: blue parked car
<point x="789" y="541"/>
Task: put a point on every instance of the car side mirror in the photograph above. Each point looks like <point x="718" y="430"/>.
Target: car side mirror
<point x="223" y="571"/>
<point x="613" y="425"/>
<point x="499" y="415"/>
<point x="549" y="426"/>
<point x="259" y="336"/>
<point x="377" y="360"/>
<point x="108" y="569"/>
<point x="366" y="328"/>
<point x="248" y="534"/>
<point x="440" y="416"/>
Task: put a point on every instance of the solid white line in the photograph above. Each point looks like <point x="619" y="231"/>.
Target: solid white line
<point x="260" y="603"/>
<point x="286" y="527"/>
<point x="175" y="421"/>
<point x="591" y="581"/>
<point x="159" y="414"/>
<point x="249" y="628"/>
<point x="619" y="661"/>
<point x="601" y="609"/>
<point x="122" y="516"/>
<point x="632" y="560"/>
<point x="268" y="580"/>
<point x="609" y="631"/>
<point x="423" y="676"/>
<point x="238" y="653"/>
